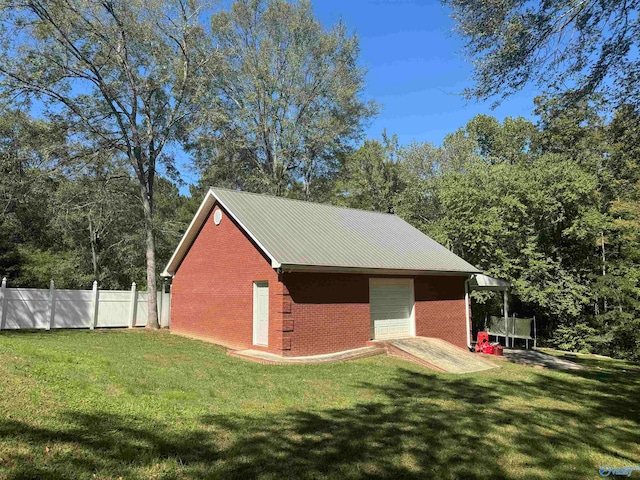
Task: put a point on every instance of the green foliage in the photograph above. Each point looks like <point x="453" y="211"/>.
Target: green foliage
<point x="574" y="50"/>
<point x="507" y="142"/>
<point x="574" y="338"/>
<point x="624" y="336"/>
<point x="370" y="177"/>
<point x="95" y="211"/>
<point x="125" y="78"/>
<point x="290" y="95"/>
<point x="70" y="219"/>
<point x="525" y="223"/>
<point x="64" y="267"/>
<point x="29" y="149"/>
<point x="590" y="45"/>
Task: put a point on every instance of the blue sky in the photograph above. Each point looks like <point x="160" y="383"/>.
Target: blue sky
<point x="416" y="69"/>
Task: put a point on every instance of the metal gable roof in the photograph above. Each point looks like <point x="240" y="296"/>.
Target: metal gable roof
<point x="295" y="233"/>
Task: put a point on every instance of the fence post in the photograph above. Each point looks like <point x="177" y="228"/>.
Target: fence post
<point x="3" y="303"/>
<point x="133" y="305"/>
<point x="96" y="293"/>
<point x="52" y="304"/>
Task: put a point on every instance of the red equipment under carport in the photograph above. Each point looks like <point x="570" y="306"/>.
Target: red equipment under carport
<point x="483" y="345"/>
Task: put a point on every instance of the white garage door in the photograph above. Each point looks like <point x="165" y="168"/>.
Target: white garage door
<point x="391" y="306"/>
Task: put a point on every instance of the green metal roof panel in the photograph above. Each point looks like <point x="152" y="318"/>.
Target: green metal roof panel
<point x="296" y="232"/>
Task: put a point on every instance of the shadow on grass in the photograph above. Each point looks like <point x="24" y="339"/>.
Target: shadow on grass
<point x="421" y="426"/>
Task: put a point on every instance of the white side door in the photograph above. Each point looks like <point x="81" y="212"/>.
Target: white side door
<point x="261" y="313"/>
<point x="391" y="306"/>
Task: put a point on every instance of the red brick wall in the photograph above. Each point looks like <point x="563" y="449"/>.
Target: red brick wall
<point x="440" y="308"/>
<point x="212" y="291"/>
<point x="329" y="312"/>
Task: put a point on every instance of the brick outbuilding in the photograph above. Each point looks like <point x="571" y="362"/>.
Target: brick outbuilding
<point x="297" y="278"/>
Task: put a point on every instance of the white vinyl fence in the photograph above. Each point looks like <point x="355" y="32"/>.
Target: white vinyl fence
<point x="52" y="308"/>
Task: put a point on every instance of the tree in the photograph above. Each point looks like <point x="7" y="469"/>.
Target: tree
<point x="370" y="178"/>
<point x="621" y="284"/>
<point x="579" y="47"/>
<point x="623" y="164"/>
<point x="576" y="131"/>
<point x="509" y="142"/>
<point x="291" y="93"/>
<point x="124" y="75"/>
<point x="95" y="215"/>
<point x="30" y="152"/>
<point x="494" y="196"/>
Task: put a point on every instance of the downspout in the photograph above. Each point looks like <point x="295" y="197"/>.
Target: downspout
<point x="467" y="311"/>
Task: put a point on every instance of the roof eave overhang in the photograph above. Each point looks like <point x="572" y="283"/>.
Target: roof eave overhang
<point x="196" y="224"/>
<point x="370" y="270"/>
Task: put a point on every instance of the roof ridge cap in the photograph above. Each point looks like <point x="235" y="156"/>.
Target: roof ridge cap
<point x="307" y="202"/>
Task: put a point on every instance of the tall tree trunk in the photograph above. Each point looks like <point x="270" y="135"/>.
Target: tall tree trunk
<point x="150" y="243"/>
<point x="146" y="181"/>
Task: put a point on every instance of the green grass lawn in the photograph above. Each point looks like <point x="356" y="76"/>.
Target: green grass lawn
<point x="132" y="404"/>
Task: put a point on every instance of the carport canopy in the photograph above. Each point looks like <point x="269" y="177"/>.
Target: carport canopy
<point x="485" y="283"/>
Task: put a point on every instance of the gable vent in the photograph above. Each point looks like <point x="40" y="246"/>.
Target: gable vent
<point x="217" y="216"/>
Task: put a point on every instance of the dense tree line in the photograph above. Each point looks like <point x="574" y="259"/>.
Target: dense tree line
<point x="74" y="216"/>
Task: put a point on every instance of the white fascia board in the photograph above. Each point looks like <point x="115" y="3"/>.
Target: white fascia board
<point x="372" y="271"/>
<point x="194" y="227"/>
